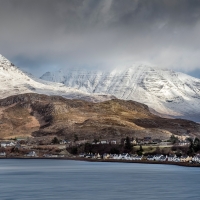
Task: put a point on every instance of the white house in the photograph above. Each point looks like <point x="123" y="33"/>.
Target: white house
<point x="2" y="154"/>
<point x="63" y="142"/>
<point x="171" y="158"/>
<point x="157" y="157"/>
<point x="106" y="156"/>
<point x="184" y="143"/>
<point x="32" y="154"/>
<point x="139" y="158"/>
<point x="7" y="144"/>
<point x="123" y="156"/>
<point x="150" y="157"/>
<point x="196" y="158"/>
<point x="163" y="158"/>
<point x="104" y="142"/>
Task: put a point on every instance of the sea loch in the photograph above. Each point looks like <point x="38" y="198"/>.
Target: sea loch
<point x="64" y="179"/>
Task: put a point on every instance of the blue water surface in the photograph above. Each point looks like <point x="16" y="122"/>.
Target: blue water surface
<point x="22" y="179"/>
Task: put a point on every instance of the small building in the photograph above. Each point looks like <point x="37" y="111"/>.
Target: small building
<point x="139" y="157"/>
<point x="18" y="145"/>
<point x="2" y="154"/>
<point x="134" y="142"/>
<point x="47" y="155"/>
<point x="185" y="158"/>
<point x="31" y="154"/>
<point x="163" y="143"/>
<point x="139" y="141"/>
<point x="163" y="158"/>
<point x="124" y="156"/>
<point x="156" y="141"/>
<point x="7" y="144"/>
<point x="106" y="156"/>
<point x="157" y="157"/>
<point x="147" y="140"/>
<point x="104" y="142"/>
<point x="63" y="142"/>
<point x="196" y="158"/>
<point x="113" y="142"/>
<point x="150" y="157"/>
<point x="184" y="143"/>
<point x="98" y="156"/>
<point x="171" y="158"/>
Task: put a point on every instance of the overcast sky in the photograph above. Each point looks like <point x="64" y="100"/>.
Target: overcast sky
<point x="45" y="35"/>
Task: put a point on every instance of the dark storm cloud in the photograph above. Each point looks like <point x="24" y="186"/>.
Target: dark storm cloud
<point x="43" y="34"/>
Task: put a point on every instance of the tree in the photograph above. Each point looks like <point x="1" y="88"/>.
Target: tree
<point x="74" y="150"/>
<point x="114" y="150"/>
<point x="95" y="140"/>
<point x="173" y="139"/>
<point x="140" y="151"/>
<point x="128" y="145"/>
<point x="75" y="138"/>
<point x="55" y="140"/>
<point x="88" y="147"/>
<point x="194" y="145"/>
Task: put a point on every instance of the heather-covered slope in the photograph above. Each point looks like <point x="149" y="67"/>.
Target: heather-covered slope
<point x="168" y="92"/>
<point x="39" y="115"/>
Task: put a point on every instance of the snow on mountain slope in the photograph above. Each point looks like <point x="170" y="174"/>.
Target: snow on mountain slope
<point x="13" y="81"/>
<point x="168" y="92"/>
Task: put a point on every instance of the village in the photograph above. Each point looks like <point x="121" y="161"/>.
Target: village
<point x="127" y="149"/>
<point x="131" y="157"/>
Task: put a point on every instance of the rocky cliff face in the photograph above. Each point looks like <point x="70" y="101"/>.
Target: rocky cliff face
<point x="41" y="115"/>
<point x="168" y="92"/>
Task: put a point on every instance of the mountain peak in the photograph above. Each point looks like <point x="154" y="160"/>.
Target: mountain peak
<point x="5" y="62"/>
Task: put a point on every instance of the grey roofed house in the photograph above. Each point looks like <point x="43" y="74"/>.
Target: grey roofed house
<point x="163" y="158"/>
<point x="196" y="158"/>
<point x="7" y="144"/>
<point x="157" y="156"/>
<point x="150" y="157"/>
<point x="171" y="157"/>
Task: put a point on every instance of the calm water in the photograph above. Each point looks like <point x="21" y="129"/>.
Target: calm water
<point x="62" y="179"/>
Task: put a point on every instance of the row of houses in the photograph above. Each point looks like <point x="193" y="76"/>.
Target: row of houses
<point x="171" y="158"/>
<point x="157" y="157"/>
<point x="143" y="141"/>
<point x="34" y="154"/>
<point x="8" y="144"/>
<point x="53" y="156"/>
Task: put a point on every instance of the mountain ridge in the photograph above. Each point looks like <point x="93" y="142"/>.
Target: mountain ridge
<point x="14" y="81"/>
<point x="173" y="94"/>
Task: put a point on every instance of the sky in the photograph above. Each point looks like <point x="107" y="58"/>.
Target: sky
<point x="46" y="35"/>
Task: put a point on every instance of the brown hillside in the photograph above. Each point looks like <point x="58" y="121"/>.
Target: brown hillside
<point x="39" y="115"/>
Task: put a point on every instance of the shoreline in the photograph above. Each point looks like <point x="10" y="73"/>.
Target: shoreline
<point x="183" y="164"/>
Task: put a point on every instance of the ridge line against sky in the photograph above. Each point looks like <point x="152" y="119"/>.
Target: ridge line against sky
<point x="47" y="35"/>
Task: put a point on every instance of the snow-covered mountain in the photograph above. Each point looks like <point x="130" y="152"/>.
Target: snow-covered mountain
<point x="167" y="92"/>
<point x="13" y="81"/>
